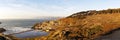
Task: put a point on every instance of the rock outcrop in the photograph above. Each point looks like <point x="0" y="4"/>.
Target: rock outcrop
<point x="85" y="25"/>
<point x="6" y="37"/>
<point x="2" y="30"/>
<point x="0" y="22"/>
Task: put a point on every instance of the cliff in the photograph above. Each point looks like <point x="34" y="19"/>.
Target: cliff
<point x="85" y="25"/>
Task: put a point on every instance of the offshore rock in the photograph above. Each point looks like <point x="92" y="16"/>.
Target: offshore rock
<point x="2" y="30"/>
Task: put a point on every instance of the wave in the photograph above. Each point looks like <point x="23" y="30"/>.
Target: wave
<point x="11" y="30"/>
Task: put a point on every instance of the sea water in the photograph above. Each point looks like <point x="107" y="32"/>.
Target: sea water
<point x="19" y="25"/>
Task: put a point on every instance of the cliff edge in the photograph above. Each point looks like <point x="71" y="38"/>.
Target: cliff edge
<point x="85" y="25"/>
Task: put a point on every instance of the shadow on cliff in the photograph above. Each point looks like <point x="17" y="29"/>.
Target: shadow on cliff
<point x="112" y="35"/>
<point x="111" y="32"/>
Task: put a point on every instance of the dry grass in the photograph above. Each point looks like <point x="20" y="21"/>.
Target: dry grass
<point x="86" y="28"/>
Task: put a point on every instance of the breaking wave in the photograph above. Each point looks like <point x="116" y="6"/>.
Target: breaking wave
<point x="11" y="30"/>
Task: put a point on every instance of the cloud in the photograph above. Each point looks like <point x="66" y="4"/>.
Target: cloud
<point x="35" y="8"/>
<point x="15" y="8"/>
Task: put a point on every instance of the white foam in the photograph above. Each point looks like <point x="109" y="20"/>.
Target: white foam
<point x="11" y="30"/>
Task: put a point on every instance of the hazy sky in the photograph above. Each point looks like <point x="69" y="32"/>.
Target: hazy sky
<point x="37" y="8"/>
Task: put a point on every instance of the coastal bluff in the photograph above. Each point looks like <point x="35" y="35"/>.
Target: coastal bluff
<point x="84" y="25"/>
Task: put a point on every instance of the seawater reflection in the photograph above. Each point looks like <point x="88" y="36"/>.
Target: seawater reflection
<point x="31" y="34"/>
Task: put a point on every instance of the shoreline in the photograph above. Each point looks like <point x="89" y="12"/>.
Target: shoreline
<point x="30" y="34"/>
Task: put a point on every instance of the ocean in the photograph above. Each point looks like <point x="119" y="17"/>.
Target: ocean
<point x="19" y="25"/>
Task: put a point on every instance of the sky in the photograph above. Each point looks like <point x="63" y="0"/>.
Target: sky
<point x="39" y="8"/>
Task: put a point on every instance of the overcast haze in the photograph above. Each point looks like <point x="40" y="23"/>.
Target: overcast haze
<point x="37" y="8"/>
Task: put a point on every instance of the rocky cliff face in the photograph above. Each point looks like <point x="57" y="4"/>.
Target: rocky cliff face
<point x="85" y="25"/>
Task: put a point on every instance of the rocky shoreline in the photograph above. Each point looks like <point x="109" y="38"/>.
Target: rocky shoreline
<point x="6" y="37"/>
<point x="86" y="25"/>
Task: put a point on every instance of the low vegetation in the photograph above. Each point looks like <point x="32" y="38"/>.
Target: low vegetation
<point x="85" y="25"/>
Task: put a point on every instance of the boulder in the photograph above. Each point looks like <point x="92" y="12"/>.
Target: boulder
<point x="0" y="22"/>
<point x="2" y="30"/>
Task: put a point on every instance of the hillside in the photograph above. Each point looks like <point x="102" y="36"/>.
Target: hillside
<point x="85" y="25"/>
